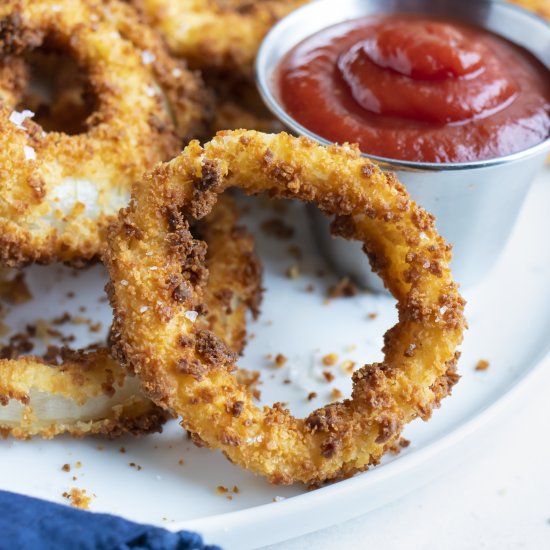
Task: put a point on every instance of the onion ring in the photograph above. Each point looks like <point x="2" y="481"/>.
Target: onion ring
<point x="88" y="392"/>
<point x="215" y="33"/>
<point x="188" y="371"/>
<point x="59" y="191"/>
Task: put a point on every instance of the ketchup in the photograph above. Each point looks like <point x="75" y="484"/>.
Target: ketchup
<point x="417" y="88"/>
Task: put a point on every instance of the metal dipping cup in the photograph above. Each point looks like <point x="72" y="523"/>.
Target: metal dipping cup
<point x="476" y="204"/>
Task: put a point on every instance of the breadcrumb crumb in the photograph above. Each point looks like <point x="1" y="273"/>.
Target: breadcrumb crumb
<point x="335" y="394"/>
<point x="329" y="377"/>
<point x="482" y="365"/>
<point x="293" y="272"/>
<point x="277" y="228"/>
<point x="344" y="288"/>
<point x="330" y="359"/>
<point x="78" y="498"/>
<point x="348" y="366"/>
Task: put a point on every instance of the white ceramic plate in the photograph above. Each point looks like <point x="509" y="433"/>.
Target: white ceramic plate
<point x="509" y="317"/>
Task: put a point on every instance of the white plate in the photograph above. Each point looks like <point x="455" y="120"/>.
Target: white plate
<point x="509" y="317"/>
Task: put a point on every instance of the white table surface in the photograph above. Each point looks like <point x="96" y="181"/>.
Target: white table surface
<point x="498" y="498"/>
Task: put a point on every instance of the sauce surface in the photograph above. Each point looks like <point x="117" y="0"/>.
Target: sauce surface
<point x="417" y="88"/>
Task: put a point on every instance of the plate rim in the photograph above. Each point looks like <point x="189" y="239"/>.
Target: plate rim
<point x="362" y="481"/>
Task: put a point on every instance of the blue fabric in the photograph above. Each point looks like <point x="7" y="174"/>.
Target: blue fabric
<point x="31" y="524"/>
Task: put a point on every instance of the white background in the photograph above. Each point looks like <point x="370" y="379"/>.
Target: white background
<point x="499" y="498"/>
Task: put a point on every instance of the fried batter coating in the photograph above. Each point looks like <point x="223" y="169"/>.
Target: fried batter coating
<point x="216" y="33"/>
<point x="89" y="392"/>
<point x="59" y="191"/>
<point x="195" y="379"/>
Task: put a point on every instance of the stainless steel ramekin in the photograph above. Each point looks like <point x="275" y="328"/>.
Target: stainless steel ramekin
<point x="475" y="203"/>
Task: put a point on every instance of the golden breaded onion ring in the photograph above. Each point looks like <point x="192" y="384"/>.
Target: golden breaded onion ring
<point x="216" y="33"/>
<point x="88" y="392"/>
<point x="189" y="371"/>
<point x="58" y="192"/>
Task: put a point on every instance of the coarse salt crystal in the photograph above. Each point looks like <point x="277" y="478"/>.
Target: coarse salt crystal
<point x="153" y="268"/>
<point x="18" y="118"/>
<point x="143" y="309"/>
<point x="124" y="282"/>
<point x="443" y="309"/>
<point x="176" y="72"/>
<point x="150" y="91"/>
<point x="191" y="315"/>
<point x="147" y="57"/>
<point x="148" y="253"/>
<point x="30" y="153"/>
<point x="426" y="264"/>
<point x="56" y="8"/>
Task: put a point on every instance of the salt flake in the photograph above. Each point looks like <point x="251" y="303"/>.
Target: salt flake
<point x="30" y="153"/>
<point x="18" y="118"/>
<point x="147" y="57"/>
<point x="191" y="315"/>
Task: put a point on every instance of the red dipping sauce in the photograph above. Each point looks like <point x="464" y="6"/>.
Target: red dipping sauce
<point x="417" y="88"/>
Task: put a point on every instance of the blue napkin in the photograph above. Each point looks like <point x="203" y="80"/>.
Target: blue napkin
<point x="31" y="524"/>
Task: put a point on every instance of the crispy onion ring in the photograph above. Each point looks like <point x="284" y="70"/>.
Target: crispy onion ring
<point x="216" y="33"/>
<point x="189" y="372"/>
<point x="59" y="191"/>
<point x="88" y="392"/>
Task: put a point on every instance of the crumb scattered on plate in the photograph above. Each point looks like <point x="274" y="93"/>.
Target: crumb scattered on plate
<point x="78" y="498"/>
<point x="330" y="359"/>
<point x="336" y="394"/>
<point x="482" y="365"/>
<point x="293" y="272"/>
<point x="344" y="288"/>
<point x="277" y="228"/>
<point x="329" y="377"/>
